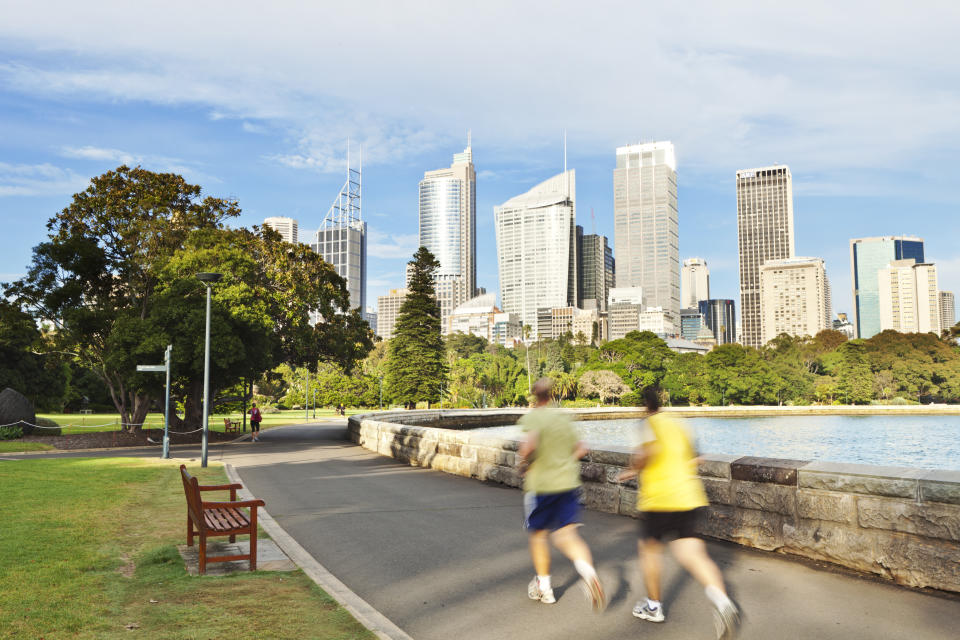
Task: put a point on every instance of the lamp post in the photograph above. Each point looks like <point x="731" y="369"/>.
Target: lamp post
<point x="208" y="279"/>
<point x="381" y="393"/>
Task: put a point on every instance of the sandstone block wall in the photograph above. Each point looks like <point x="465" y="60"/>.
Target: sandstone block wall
<point x="899" y="523"/>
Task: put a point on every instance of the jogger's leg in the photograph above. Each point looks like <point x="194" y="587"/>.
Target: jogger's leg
<point x="540" y="552"/>
<point x="691" y="554"/>
<point x="650" y="552"/>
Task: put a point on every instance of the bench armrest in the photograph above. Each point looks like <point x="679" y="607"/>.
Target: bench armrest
<point x="234" y="504"/>
<point x="220" y="487"/>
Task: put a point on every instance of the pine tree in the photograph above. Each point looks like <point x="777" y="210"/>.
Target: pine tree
<point x="416" y="367"/>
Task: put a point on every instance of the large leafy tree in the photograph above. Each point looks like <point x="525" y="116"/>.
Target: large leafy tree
<point x="25" y="367"/>
<point x="416" y="367"/>
<point x="117" y="279"/>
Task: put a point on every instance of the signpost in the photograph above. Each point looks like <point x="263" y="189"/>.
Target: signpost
<point x="165" y="367"/>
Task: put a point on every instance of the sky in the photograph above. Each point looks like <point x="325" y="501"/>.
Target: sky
<point x="256" y="101"/>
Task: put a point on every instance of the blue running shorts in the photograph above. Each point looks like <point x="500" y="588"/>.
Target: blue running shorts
<point x="551" y="511"/>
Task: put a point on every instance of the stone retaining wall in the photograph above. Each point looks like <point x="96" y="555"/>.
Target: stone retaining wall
<point x="902" y="524"/>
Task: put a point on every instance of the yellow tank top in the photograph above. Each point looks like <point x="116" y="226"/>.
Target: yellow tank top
<point x="669" y="481"/>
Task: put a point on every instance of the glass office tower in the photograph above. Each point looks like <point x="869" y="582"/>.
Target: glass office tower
<point x="536" y="249"/>
<point x="867" y="257"/>
<point x="448" y="228"/>
<point x="646" y="223"/>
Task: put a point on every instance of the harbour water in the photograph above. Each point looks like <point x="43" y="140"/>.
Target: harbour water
<point x="931" y="442"/>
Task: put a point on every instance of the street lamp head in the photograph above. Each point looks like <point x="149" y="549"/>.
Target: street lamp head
<point x="209" y="277"/>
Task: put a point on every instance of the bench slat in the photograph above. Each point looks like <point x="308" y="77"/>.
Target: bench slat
<point x="225" y="519"/>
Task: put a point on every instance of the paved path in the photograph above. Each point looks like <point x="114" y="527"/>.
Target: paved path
<point x="445" y="557"/>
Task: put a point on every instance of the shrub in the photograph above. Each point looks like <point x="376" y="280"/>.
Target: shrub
<point x="11" y="432"/>
<point x="50" y="427"/>
<point x="268" y="409"/>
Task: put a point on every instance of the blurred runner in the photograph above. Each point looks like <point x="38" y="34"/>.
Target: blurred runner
<point x="552" y="450"/>
<point x="670" y="500"/>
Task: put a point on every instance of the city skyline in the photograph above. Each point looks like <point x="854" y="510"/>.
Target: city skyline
<point x="863" y="148"/>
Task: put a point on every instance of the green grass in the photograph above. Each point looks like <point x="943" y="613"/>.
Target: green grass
<point x="80" y="423"/>
<point x="16" y="446"/>
<point x="87" y="544"/>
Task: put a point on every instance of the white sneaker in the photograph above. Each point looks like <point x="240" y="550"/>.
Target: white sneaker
<point x="594" y="592"/>
<point x="726" y="619"/>
<point x="534" y="592"/>
<point x="642" y="610"/>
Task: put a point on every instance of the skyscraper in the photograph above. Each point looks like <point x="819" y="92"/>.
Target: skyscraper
<point x="342" y="238"/>
<point x="720" y="316"/>
<point x="448" y="228"/>
<point x="597" y="271"/>
<point x="765" y="232"/>
<point x="646" y="223"/>
<point x="867" y="257"/>
<point x="795" y="298"/>
<point x="694" y="282"/>
<point x="388" y="308"/>
<point x="286" y="227"/>
<point x="909" y="297"/>
<point x="948" y="310"/>
<point x="536" y="248"/>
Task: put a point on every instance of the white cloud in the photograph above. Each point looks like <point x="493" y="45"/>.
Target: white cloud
<point x="39" y="180"/>
<point x="116" y="157"/>
<point x="820" y="86"/>
<point x="98" y="153"/>
<point x="396" y="246"/>
<point x="250" y="127"/>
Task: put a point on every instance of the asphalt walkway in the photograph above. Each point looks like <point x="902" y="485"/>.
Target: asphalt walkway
<point x="445" y="557"/>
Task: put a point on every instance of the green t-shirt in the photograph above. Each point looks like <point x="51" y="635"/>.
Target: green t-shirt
<point x="553" y="468"/>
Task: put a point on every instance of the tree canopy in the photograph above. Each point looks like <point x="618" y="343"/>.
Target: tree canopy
<point x="416" y="367"/>
<point x="117" y="279"/>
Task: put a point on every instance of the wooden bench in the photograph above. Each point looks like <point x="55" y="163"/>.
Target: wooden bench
<point x="231" y="426"/>
<point x="208" y="519"/>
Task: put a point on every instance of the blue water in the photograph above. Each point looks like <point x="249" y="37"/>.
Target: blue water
<point x="931" y="442"/>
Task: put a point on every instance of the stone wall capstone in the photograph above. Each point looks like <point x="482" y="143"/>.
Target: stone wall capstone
<point x="898" y="523"/>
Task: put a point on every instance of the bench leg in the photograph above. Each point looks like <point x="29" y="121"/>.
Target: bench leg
<point x="189" y="531"/>
<point x="203" y="553"/>
<point x="233" y="538"/>
<point x="253" y="539"/>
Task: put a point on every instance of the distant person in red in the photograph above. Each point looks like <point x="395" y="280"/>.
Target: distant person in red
<point x="255" y="420"/>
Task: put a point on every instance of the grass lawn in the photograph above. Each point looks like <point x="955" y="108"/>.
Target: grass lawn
<point x="111" y="421"/>
<point x="89" y="551"/>
<point x="16" y="446"/>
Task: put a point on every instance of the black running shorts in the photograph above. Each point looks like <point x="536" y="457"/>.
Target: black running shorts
<point x="669" y="525"/>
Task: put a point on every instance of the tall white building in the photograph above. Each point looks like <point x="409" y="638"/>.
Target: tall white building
<point x="286" y="227"/>
<point x="909" y="297"/>
<point x="694" y="282"/>
<point x="448" y="228"/>
<point x="794" y="298"/>
<point x="646" y="223"/>
<point x="536" y="249"/>
<point x="342" y="237"/>
<point x="948" y="310"/>
<point x="764" y="232"/>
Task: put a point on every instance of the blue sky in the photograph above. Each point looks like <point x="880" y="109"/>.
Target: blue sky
<point x="256" y="102"/>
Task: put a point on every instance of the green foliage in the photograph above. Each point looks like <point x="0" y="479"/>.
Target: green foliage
<point x="50" y="427"/>
<point x="416" y="367"/>
<point x="23" y="367"/>
<point x="117" y="280"/>
<point x="11" y="432"/>
<point x="463" y="345"/>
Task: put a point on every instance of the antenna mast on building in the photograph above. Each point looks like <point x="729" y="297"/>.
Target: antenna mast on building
<point x="346" y="206"/>
<point x="593" y="222"/>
